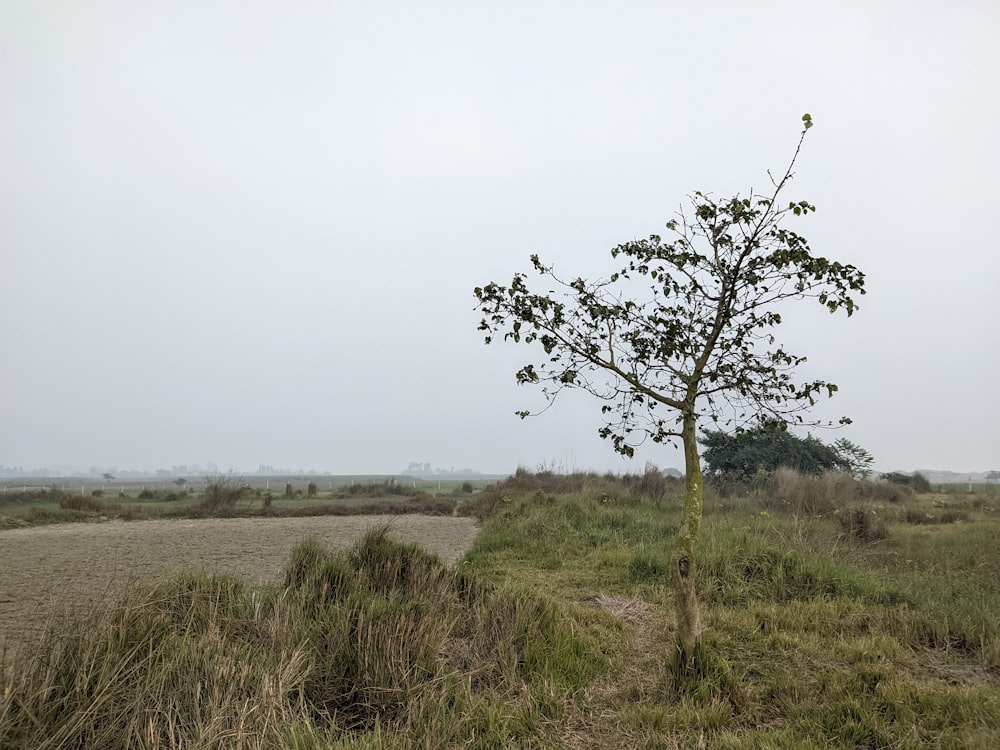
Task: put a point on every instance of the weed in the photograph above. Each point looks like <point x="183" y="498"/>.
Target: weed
<point x="222" y="492"/>
<point x="862" y="525"/>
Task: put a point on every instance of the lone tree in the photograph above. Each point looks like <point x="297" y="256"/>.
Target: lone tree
<point x="683" y="331"/>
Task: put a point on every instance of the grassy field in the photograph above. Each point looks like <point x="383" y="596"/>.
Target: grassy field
<point x="838" y="615"/>
<point x="226" y="496"/>
<point x="968" y="488"/>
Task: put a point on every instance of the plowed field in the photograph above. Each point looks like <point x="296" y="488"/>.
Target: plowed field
<point x="44" y="569"/>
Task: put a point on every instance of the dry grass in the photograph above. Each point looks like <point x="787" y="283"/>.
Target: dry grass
<point x="556" y="631"/>
<point x="378" y="644"/>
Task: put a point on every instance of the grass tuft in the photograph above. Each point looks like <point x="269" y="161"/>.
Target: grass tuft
<point x="364" y="646"/>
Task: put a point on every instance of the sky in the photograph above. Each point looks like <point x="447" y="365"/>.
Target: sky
<point x="248" y="233"/>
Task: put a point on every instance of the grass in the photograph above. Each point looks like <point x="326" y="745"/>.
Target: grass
<point x="556" y="631"/>
<point x="815" y="638"/>
<point x="354" y="649"/>
<point x="228" y="499"/>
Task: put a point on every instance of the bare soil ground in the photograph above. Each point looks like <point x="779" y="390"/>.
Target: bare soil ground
<point x="44" y="570"/>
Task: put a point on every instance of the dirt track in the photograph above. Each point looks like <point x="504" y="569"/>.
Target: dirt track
<point x="45" y="568"/>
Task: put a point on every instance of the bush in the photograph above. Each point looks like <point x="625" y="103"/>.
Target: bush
<point x="653" y="485"/>
<point x="222" y="492"/>
<point x="768" y="447"/>
<point x="882" y="492"/>
<point x="916" y="481"/>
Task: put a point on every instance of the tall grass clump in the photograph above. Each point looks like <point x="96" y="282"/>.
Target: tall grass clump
<point x="609" y="488"/>
<point x="381" y="645"/>
<point x="222" y="492"/>
<point x="812" y="494"/>
<point x="653" y="485"/>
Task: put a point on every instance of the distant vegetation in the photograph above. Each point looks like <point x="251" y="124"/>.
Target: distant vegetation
<point x="226" y="495"/>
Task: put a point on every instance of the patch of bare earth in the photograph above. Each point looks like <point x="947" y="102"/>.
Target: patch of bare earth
<point x="46" y="569"/>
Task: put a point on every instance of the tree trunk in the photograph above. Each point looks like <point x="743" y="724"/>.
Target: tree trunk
<point x="684" y="567"/>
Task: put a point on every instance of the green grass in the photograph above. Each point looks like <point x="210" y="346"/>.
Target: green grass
<point x="813" y="640"/>
<point x="556" y="630"/>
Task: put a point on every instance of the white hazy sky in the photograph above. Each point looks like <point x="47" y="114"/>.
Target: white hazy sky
<point x="248" y="232"/>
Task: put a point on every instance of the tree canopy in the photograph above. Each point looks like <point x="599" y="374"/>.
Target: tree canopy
<point x="683" y="326"/>
<point x="741" y="456"/>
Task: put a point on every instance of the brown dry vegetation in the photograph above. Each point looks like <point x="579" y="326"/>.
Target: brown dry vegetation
<point x="47" y="568"/>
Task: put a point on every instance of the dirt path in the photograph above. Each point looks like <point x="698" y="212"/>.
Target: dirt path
<point x="43" y="569"/>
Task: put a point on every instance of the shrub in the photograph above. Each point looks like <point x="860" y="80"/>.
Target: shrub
<point x="653" y="485"/>
<point x="768" y="447"/>
<point x="916" y="481"/>
<point x="882" y="492"/>
<point x="222" y="491"/>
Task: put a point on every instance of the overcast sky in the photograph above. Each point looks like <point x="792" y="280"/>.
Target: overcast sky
<point x="248" y="232"/>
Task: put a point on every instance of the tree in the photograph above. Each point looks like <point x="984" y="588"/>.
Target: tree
<point x="915" y="481"/>
<point x="857" y="460"/>
<point x="682" y="331"/>
<point x="766" y="448"/>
